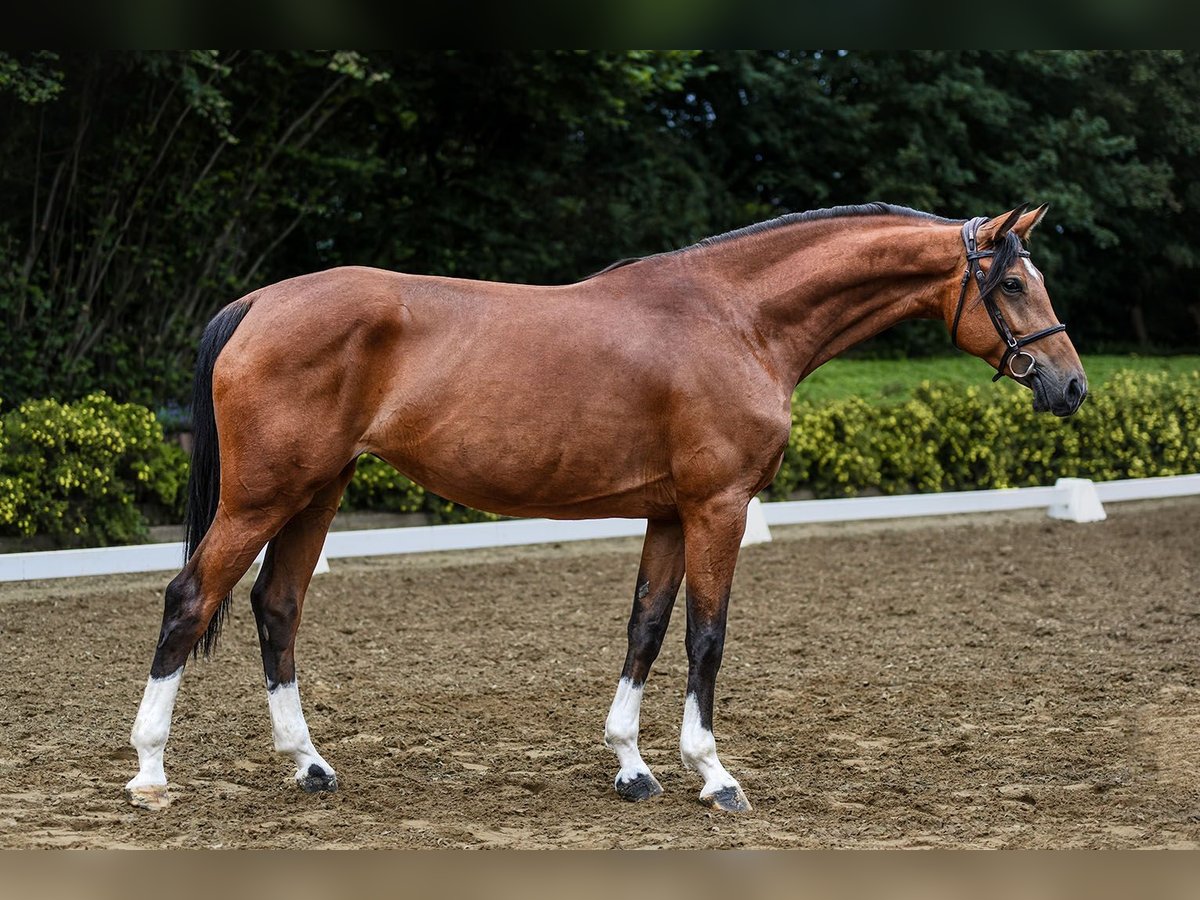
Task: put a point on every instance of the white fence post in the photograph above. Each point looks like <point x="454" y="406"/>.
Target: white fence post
<point x="757" y="530"/>
<point x="1080" y="502"/>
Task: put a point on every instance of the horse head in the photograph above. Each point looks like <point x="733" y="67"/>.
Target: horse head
<point x="1001" y="312"/>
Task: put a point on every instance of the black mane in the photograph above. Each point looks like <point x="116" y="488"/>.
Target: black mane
<point x="834" y="212"/>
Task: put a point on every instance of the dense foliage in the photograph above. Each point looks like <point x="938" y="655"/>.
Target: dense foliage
<point x="78" y="472"/>
<point x="945" y="438"/>
<point x="145" y="189"/>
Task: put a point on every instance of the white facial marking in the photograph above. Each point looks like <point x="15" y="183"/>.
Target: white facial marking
<point x="621" y="730"/>
<point x="291" y="731"/>
<point x="151" y="728"/>
<point x="698" y="749"/>
<point x="1031" y="268"/>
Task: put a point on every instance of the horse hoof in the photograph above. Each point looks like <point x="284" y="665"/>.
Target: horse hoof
<point x="644" y="787"/>
<point x="150" y="796"/>
<point x="317" y="780"/>
<point x="727" y="799"/>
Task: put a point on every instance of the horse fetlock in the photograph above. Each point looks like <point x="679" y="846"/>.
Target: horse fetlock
<point x="619" y="735"/>
<point x="698" y="752"/>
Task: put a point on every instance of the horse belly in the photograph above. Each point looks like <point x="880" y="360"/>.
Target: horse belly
<point x="526" y="462"/>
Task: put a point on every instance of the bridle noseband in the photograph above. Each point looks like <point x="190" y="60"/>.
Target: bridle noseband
<point x="1013" y="345"/>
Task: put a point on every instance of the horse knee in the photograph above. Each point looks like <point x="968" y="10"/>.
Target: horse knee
<point x="705" y="647"/>
<point x="646" y="636"/>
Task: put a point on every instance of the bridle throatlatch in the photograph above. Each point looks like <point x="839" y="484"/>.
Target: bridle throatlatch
<point x="1013" y="345"/>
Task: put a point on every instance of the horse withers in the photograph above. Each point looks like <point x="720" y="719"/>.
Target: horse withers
<point x="659" y="388"/>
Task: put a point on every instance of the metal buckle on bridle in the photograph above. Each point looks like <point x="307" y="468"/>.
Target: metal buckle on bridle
<point x="1028" y="369"/>
<point x="1013" y="345"/>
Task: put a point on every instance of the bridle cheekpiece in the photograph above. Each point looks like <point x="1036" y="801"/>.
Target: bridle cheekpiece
<point x="1014" y="346"/>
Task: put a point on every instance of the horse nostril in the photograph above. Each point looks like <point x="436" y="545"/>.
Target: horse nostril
<point x="1075" y="392"/>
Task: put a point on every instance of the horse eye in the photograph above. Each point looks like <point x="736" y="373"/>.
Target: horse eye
<point x="1011" y="285"/>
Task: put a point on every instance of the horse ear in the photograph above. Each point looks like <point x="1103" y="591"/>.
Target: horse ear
<point x="994" y="230"/>
<point x="1030" y="221"/>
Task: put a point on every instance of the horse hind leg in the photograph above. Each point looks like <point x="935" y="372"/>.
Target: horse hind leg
<point x="659" y="575"/>
<point x="192" y="599"/>
<point x="277" y="599"/>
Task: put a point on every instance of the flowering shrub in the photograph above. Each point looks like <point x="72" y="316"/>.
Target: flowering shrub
<point x="949" y="439"/>
<point x="376" y="485"/>
<point x="76" y="471"/>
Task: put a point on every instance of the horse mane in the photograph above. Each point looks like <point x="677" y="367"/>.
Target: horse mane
<point x="858" y="210"/>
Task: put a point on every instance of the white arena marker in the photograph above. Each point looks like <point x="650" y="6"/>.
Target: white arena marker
<point x="322" y="564"/>
<point x="1080" y="502"/>
<point x="757" y="531"/>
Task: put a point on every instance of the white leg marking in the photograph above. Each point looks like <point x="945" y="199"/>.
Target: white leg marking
<point x="291" y="731"/>
<point x="698" y="749"/>
<point x="151" y="727"/>
<point x="621" y="731"/>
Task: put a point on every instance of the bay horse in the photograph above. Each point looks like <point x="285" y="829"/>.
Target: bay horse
<point x="659" y="388"/>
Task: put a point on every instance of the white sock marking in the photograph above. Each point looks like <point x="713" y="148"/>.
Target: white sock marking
<point x="698" y="749"/>
<point x="151" y="728"/>
<point x="621" y="730"/>
<point x="291" y="731"/>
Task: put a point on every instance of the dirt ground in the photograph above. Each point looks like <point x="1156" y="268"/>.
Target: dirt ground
<point x="998" y="681"/>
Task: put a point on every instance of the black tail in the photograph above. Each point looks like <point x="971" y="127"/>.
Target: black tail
<point x="204" y="482"/>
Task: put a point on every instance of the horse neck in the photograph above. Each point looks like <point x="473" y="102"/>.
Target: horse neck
<point x="814" y="289"/>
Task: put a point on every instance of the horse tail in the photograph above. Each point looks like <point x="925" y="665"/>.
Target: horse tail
<point x="204" y="480"/>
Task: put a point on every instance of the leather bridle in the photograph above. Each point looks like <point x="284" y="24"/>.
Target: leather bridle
<point x="1014" y="346"/>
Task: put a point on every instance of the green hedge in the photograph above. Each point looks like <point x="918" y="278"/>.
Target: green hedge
<point x="951" y="438"/>
<point x="77" y="472"/>
<point x="85" y="472"/>
<point x="377" y="486"/>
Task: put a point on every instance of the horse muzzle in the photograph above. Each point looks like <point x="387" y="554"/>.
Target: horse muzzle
<point x="1060" y="395"/>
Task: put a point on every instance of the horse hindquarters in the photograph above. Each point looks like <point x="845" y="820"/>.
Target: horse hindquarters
<point x="268" y="466"/>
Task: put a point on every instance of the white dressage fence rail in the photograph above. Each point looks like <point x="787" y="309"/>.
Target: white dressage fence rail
<point x="1075" y="499"/>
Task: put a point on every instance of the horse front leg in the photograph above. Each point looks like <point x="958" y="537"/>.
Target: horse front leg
<point x="712" y="535"/>
<point x="658" y="579"/>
